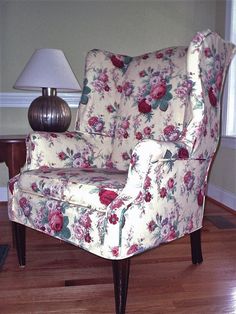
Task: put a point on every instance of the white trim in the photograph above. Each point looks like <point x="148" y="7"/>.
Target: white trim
<point x="228" y="142"/>
<point x="23" y="100"/>
<point x="224" y="197"/>
<point x="3" y="194"/>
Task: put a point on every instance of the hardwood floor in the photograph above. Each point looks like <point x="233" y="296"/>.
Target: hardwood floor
<point x="60" y="278"/>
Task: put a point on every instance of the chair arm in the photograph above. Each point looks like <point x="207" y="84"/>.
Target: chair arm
<point x="163" y="183"/>
<point x="58" y="150"/>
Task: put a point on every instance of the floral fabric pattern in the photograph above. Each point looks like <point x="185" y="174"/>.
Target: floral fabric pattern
<point x="134" y="173"/>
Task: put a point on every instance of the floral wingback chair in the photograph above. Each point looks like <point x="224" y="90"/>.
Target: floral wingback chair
<point x="133" y="174"/>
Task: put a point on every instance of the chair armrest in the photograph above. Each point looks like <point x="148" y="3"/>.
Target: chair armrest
<point x="58" y="150"/>
<point x="163" y="184"/>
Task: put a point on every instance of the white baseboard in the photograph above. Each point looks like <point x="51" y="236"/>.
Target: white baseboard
<point x="224" y="197"/>
<point x="3" y="194"/>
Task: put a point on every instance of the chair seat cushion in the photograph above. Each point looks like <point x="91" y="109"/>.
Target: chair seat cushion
<point x="91" y="187"/>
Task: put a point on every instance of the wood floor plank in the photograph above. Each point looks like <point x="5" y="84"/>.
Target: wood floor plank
<point x="62" y="279"/>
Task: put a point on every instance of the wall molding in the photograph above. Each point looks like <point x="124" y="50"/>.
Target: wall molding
<point x="3" y="194"/>
<point x="228" y="142"/>
<point x="23" y="100"/>
<point x="222" y="196"/>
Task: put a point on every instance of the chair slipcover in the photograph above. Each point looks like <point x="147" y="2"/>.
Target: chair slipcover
<point x="134" y="172"/>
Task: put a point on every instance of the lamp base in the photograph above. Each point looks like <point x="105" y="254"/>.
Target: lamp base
<point x="49" y="113"/>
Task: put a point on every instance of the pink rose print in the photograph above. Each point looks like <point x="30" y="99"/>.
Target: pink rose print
<point x="189" y="180"/>
<point x="115" y="251"/>
<point x="171" y="133"/>
<point x="34" y="187"/>
<point x="125" y="156"/>
<point x="128" y="88"/>
<point x="96" y="123"/>
<point x="212" y="97"/>
<point x="133" y="248"/>
<point x="113" y="219"/>
<point x="25" y="205"/>
<point x="93" y="120"/>
<point x="152" y="226"/>
<point x="62" y="156"/>
<point x="159" y="55"/>
<point x="110" y="109"/>
<point x="55" y="219"/>
<point x="170" y="183"/>
<point x="144" y="107"/>
<point x="125" y="124"/>
<point x="148" y="197"/>
<point x="200" y="198"/>
<point x="85" y="221"/>
<point x="107" y="196"/>
<point x="183" y="153"/>
<point x="117" y="62"/>
<point x="138" y="135"/>
<point x="103" y="77"/>
<point x="158" y="91"/>
<point x="219" y="79"/>
<point x="87" y="238"/>
<point x="163" y="192"/>
<point x="207" y="52"/>
<point x="147" y="130"/>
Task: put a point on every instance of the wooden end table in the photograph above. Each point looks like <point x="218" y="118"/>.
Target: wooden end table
<point x="13" y="153"/>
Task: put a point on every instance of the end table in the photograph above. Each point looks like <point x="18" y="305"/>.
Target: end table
<point x="13" y="153"/>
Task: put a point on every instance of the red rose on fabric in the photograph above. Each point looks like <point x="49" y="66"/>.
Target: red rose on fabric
<point x="87" y="238"/>
<point x="169" y="129"/>
<point x="144" y="107"/>
<point x="55" y="220"/>
<point x="113" y="219"/>
<point x="148" y="197"/>
<point x="132" y="249"/>
<point x="158" y="91"/>
<point x="200" y="198"/>
<point x="170" y="183"/>
<point x="163" y="192"/>
<point x="117" y="62"/>
<point x="115" y="251"/>
<point x="219" y="79"/>
<point x="207" y="52"/>
<point x="183" y="153"/>
<point x="107" y="196"/>
<point x="62" y="156"/>
<point x="93" y="120"/>
<point x="138" y="135"/>
<point x="34" y="187"/>
<point x="159" y="55"/>
<point x="212" y="97"/>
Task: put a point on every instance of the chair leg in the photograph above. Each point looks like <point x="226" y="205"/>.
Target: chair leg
<point x="19" y="232"/>
<point x="121" y="280"/>
<point x="196" y="249"/>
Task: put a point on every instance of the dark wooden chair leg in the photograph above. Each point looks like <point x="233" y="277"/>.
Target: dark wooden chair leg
<point x="19" y="232"/>
<point x="196" y="248"/>
<point x="121" y="281"/>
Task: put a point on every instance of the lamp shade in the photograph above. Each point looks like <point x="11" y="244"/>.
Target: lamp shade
<point x="48" y="68"/>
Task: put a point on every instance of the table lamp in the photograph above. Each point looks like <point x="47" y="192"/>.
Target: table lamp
<point x="48" y="70"/>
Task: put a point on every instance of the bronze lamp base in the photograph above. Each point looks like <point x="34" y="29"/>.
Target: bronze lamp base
<point x="49" y="113"/>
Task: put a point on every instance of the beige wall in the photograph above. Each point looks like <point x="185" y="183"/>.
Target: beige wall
<point x="130" y="27"/>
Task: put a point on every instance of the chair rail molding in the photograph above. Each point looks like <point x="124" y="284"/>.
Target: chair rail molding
<point x="23" y="100"/>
